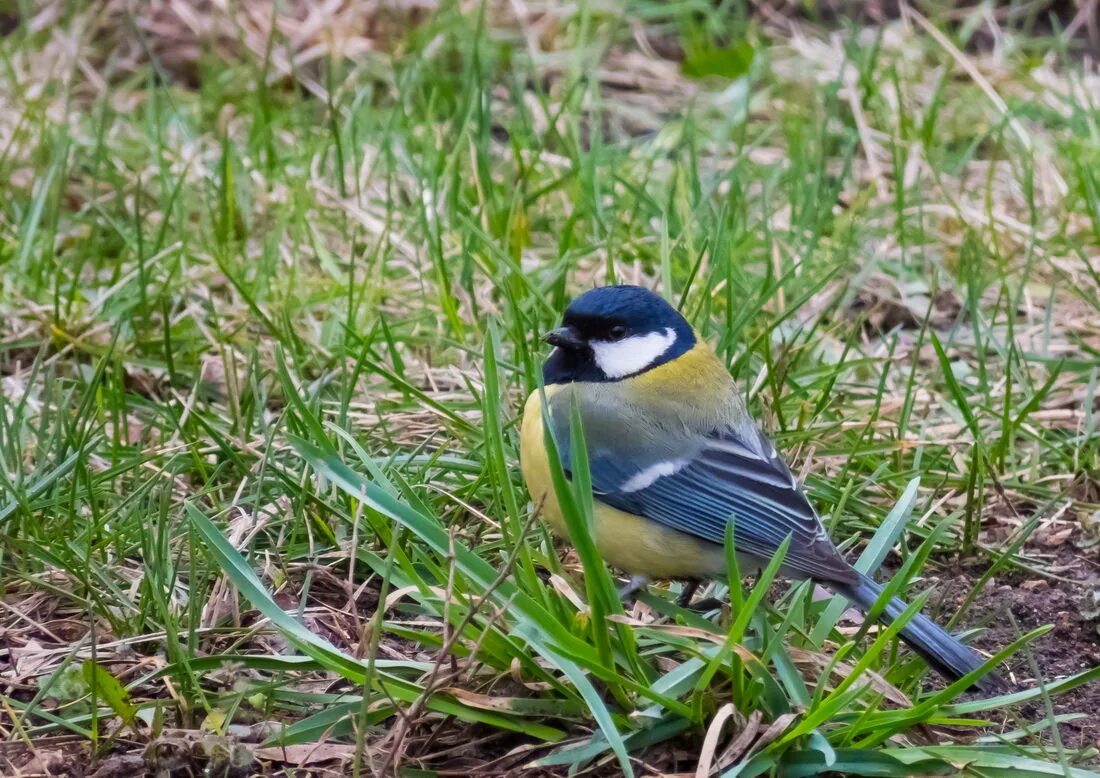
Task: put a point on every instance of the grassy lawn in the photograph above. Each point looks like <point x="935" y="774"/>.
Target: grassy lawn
<point x="271" y="286"/>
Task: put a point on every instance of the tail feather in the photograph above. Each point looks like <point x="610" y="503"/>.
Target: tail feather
<point x="933" y="643"/>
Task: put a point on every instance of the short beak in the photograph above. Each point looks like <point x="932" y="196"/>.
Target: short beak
<point x="564" y="337"/>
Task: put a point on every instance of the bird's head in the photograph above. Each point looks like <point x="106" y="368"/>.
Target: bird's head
<point x="615" y="332"/>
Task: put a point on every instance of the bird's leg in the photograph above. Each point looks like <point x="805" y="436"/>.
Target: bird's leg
<point x="636" y="583"/>
<point x="690" y="588"/>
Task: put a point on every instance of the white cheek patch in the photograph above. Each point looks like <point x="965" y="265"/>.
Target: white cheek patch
<point x="631" y="355"/>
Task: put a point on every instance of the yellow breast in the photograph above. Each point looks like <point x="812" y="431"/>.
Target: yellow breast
<point x="631" y="543"/>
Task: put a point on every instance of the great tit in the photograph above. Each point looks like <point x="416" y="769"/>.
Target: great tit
<point x="674" y="457"/>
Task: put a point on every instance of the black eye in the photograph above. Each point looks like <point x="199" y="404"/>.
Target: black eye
<point x="618" y="332"/>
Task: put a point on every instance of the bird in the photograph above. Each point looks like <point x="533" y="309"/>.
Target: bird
<point x="674" y="456"/>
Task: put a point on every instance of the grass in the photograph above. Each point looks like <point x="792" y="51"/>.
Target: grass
<point x="271" y="305"/>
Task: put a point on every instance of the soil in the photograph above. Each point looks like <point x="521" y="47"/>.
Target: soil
<point x="1017" y="602"/>
<point x="48" y="756"/>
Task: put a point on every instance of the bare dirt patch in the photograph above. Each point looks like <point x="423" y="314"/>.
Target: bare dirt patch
<point x="1019" y="601"/>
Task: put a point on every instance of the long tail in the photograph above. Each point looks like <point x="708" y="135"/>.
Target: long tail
<point x="935" y="644"/>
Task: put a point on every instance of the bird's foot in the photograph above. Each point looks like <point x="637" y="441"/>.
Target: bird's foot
<point x="700" y="606"/>
<point x="705" y="604"/>
<point x="633" y="586"/>
<point x="690" y="588"/>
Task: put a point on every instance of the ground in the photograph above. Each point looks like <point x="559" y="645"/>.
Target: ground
<point x="272" y="281"/>
<point x="1071" y="646"/>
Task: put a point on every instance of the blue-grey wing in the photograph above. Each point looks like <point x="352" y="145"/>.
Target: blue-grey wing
<point x="698" y="484"/>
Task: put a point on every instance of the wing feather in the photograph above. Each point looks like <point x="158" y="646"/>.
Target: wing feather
<point x="699" y="483"/>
